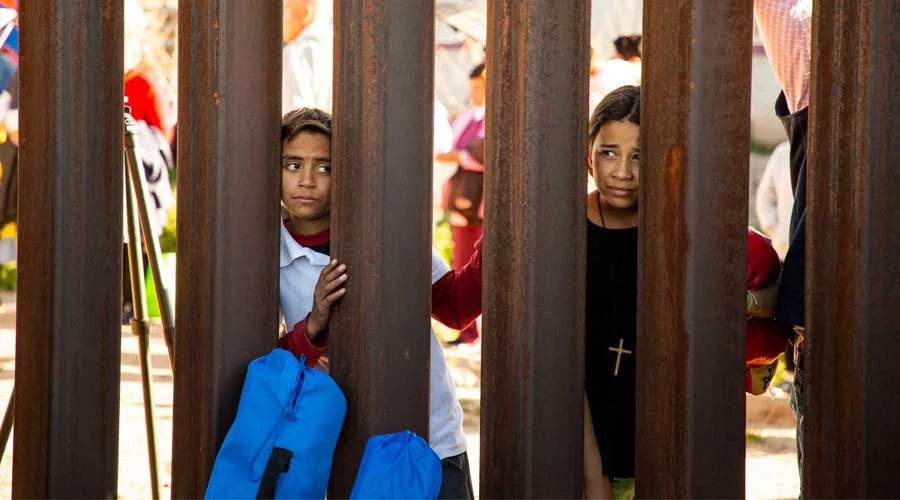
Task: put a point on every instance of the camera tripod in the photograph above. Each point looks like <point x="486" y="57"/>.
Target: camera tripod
<point x="137" y="225"/>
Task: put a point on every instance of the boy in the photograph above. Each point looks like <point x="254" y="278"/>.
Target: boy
<point x="311" y="282"/>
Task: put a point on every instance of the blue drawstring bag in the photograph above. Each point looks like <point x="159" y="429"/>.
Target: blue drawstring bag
<point x="282" y="441"/>
<point x="398" y="465"/>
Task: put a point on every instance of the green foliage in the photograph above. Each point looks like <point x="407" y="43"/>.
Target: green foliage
<point x="443" y="238"/>
<point x="167" y="238"/>
<point x="8" y="275"/>
<point x="761" y="149"/>
<point x="753" y="438"/>
<point x="444" y="333"/>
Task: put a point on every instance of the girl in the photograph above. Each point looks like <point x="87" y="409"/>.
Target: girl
<point x="612" y="237"/>
<point x="610" y="319"/>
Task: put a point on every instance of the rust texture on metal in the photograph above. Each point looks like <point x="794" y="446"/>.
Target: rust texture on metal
<point x="533" y="347"/>
<point x="229" y="110"/>
<point x="70" y="250"/>
<point x="693" y="216"/>
<point x="382" y="151"/>
<point x="851" y="429"/>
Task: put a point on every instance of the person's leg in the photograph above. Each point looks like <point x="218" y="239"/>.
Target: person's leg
<point x="456" y="480"/>
<point x="797" y="406"/>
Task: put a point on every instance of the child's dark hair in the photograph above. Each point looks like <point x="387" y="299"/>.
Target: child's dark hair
<point x="477" y="71"/>
<point x="305" y="120"/>
<point x="628" y="46"/>
<point x="621" y="105"/>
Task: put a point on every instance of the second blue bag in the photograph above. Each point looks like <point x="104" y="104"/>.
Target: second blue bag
<point x="398" y="465"/>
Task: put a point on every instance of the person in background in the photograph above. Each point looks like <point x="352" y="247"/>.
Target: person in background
<point x="12" y="40"/>
<point x="442" y="170"/>
<point x="774" y="204"/>
<point x="9" y="132"/>
<point x="463" y="193"/>
<point x="785" y="27"/>
<point x="307" y="55"/>
<point x="775" y="198"/>
<point x="624" y="68"/>
<point x="9" y="68"/>
<point x="147" y="97"/>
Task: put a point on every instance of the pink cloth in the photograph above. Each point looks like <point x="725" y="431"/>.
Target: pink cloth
<point x="786" y="30"/>
<point x="466" y="126"/>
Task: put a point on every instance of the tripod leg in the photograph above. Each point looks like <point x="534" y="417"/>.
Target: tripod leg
<point x="6" y="428"/>
<point x="151" y="243"/>
<point x="140" y="326"/>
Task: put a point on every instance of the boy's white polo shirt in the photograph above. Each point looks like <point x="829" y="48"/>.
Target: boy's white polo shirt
<point x="300" y="268"/>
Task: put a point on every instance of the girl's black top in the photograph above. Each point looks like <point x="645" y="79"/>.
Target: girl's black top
<point x="610" y="328"/>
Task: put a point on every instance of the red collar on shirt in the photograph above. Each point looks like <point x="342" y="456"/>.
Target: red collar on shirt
<point x="310" y="240"/>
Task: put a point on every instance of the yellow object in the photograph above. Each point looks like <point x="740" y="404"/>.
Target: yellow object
<point x="760" y="377"/>
<point x="168" y="269"/>
<point x="9" y="230"/>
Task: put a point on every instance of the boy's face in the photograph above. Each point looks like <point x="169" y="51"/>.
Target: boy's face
<point x="614" y="161"/>
<point x="306" y="181"/>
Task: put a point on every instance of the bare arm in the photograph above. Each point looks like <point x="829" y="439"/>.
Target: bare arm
<point x="596" y="485"/>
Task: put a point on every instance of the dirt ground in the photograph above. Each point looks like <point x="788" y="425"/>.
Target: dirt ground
<point x="771" y="457"/>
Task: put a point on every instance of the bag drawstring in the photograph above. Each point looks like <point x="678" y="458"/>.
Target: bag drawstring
<point x="289" y="410"/>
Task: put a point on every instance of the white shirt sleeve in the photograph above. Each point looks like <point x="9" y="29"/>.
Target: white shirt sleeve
<point x="443" y="132"/>
<point x="439" y="267"/>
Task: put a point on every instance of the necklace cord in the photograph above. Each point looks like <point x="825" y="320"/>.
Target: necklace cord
<point x="600" y="210"/>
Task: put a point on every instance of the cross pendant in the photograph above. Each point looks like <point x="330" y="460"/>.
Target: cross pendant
<point x="620" y="351"/>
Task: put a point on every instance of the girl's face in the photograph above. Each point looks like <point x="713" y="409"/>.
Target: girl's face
<point x="614" y="160"/>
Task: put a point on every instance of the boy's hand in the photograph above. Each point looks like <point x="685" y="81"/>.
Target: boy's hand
<point x="329" y="289"/>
